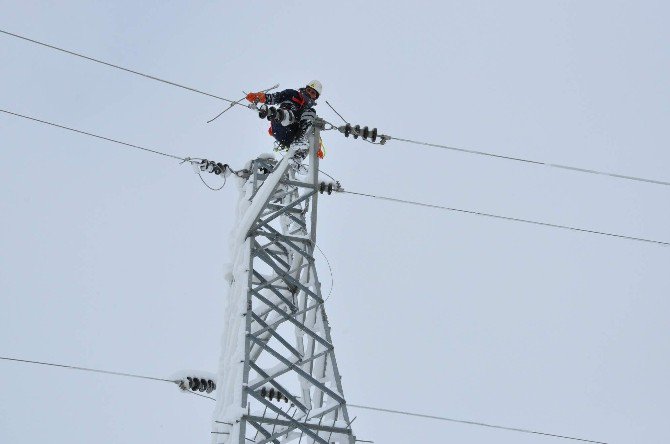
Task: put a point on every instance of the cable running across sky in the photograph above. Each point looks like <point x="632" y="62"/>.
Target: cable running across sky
<point x="399" y="139"/>
<point x="513" y="219"/>
<point x="392" y="199"/>
<point x="379" y="409"/>
<point x="93" y="135"/>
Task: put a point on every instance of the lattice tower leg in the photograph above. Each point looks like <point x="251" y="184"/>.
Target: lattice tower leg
<point x="278" y="380"/>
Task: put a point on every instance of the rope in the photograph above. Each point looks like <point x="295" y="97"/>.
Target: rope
<point x="331" y="107"/>
<point x="332" y="278"/>
<point x="93" y="135"/>
<point x="514" y="219"/>
<point x="199" y="394"/>
<point x="102" y="62"/>
<point x="237" y="102"/>
<point x="225" y="179"/>
<point x="321" y="171"/>
<point x="461" y="421"/>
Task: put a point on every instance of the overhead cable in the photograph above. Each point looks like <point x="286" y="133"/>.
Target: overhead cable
<point x="94" y="135"/>
<point x="535" y="162"/>
<point x="434" y="145"/>
<point x="102" y="62"/>
<point x="392" y="199"/>
<point x="461" y="421"/>
<point x="94" y="370"/>
<point x="514" y="219"/>
<point x="379" y="409"/>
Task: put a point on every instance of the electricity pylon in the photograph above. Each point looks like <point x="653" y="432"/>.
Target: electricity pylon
<point x="278" y="378"/>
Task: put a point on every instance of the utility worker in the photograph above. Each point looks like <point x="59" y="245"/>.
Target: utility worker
<point x="301" y="104"/>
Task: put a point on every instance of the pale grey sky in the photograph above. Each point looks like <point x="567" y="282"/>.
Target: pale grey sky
<point x="113" y="258"/>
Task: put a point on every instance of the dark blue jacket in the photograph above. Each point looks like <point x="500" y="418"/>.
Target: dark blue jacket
<point x="296" y="101"/>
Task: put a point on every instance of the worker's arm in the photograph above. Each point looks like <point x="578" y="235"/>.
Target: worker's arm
<point x="281" y="96"/>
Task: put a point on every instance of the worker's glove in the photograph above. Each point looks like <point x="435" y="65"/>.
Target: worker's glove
<point x="256" y="97"/>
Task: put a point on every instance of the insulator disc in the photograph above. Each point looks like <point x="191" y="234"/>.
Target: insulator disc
<point x="210" y="386"/>
<point x="330" y="188"/>
<point x="366" y="132"/>
<point x="203" y="385"/>
<point x="357" y="131"/>
<point x="373" y="134"/>
<point x="322" y="187"/>
<point x="191" y="384"/>
<point x="264" y="392"/>
<point x="196" y="384"/>
<point x="347" y="130"/>
<point x="271" y="394"/>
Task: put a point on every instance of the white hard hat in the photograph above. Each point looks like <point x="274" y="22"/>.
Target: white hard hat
<point x="316" y="86"/>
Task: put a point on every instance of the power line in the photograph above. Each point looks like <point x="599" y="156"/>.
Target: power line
<point x="514" y="219"/>
<point x="94" y="135"/>
<point x="534" y="162"/>
<point x="392" y="199"/>
<point x="102" y="62"/>
<point x="379" y="409"/>
<point x="461" y="421"/>
<point x="94" y="370"/>
<point x="416" y="142"/>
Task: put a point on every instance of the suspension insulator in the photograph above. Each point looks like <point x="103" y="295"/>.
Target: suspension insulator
<point x="329" y="187"/>
<point x="373" y="135"/>
<point x="357" y="131"/>
<point x="273" y="395"/>
<point x="366" y="132"/>
<point x="196" y="384"/>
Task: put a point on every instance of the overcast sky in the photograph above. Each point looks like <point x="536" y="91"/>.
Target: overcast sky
<point x="113" y="258"/>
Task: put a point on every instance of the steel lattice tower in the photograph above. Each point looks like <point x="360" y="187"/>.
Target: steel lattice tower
<point x="278" y="379"/>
